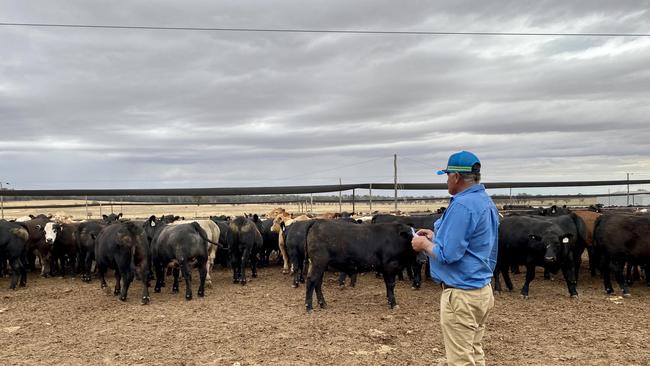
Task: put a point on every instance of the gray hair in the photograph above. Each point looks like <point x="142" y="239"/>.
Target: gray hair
<point x="474" y="177"/>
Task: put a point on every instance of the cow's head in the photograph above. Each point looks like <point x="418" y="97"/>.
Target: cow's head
<point x="51" y="231"/>
<point x="152" y="225"/>
<point x="555" y="246"/>
<point x="109" y="219"/>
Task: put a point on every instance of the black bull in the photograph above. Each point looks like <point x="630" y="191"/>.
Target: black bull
<point x="352" y="248"/>
<point x="536" y="241"/>
<point x="417" y="222"/>
<point x="621" y="239"/>
<point x="123" y="247"/>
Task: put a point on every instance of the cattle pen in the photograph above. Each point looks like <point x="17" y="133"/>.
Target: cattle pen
<point x="64" y="320"/>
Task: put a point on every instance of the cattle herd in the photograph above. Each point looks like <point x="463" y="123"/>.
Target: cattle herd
<point x="155" y="248"/>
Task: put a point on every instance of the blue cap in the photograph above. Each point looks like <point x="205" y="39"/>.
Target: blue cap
<point x="461" y="162"/>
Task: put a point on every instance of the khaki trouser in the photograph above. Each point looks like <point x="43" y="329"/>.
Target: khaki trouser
<point x="463" y="314"/>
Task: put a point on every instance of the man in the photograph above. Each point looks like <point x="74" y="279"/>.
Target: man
<point x="463" y="254"/>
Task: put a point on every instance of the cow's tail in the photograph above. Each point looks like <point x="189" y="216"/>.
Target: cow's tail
<point x="204" y="236"/>
<point x="305" y="264"/>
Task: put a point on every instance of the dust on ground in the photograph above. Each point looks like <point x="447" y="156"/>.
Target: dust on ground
<point x="65" y="321"/>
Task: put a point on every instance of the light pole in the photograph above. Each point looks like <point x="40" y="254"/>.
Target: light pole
<point x="2" y="199"/>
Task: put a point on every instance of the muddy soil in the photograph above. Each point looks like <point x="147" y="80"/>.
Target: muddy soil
<point x="63" y="321"/>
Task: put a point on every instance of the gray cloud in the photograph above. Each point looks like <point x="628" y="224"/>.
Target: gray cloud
<point x="130" y="108"/>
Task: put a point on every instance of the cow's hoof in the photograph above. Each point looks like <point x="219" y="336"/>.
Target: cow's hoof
<point x="175" y="290"/>
<point x="285" y="271"/>
<point x="243" y="282"/>
<point x="310" y="310"/>
<point x="235" y="280"/>
<point x="341" y="286"/>
<point x="323" y="305"/>
<point x="627" y="294"/>
<point x="188" y="297"/>
<point x="254" y="275"/>
<point x="574" y="296"/>
<point x="294" y="285"/>
<point x="609" y="291"/>
<point x="22" y="284"/>
<point x="208" y="284"/>
<point x="525" y="297"/>
<point x="156" y="290"/>
<point x="201" y="293"/>
<point x="145" y="300"/>
<point x="116" y="292"/>
<point x="122" y="298"/>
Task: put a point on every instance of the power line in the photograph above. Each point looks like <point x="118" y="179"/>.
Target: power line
<point x="338" y="31"/>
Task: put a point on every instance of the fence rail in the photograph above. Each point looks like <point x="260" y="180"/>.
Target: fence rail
<point x="252" y="191"/>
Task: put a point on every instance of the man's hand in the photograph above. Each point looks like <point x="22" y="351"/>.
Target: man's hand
<point x="425" y="232"/>
<point x="421" y="243"/>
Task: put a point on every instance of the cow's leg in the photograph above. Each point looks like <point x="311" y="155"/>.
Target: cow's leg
<point x="187" y="274"/>
<point x="400" y="275"/>
<point x="353" y="280"/>
<point x="547" y="274"/>
<point x="341" y="279"/>
<point x="297" y="273"/>
<point x="283" y="251"/>
<point x="417" y="276"/>
<point x="45" y="268"/>
<point x="160" y="275"/>
<point x="101" y="268"/>
<point x="212" y="254"/>
<point x="514" y="268"/>
<point x="496" y="275"/>
<point x="23" y="271"/>
<point x="606" y="270"/>
<point x="175" y="273"/>
<point x="530" y="276"/>
<point x="16" y="271"/>
<point x="314" y="278"/>
<point x="203" y="271"/>
<point x="506" y="278"/>
<point x="389" y="280"/>
<point x="568" y="269"/>
<point x="234" y="263"/>
<point x="319" y="291"/>
<point x="593" y="260"/>
<point x="127" y="278"/>
<point x="118" y="279"/>
<point x="145" y="290"/>
<point x="619" y="268"/>
<point x="244" y="260"/>
<point x="577" y="259"/>
<point x="88" y="264"/>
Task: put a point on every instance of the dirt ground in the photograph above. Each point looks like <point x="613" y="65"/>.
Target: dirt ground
<point x="58" y="321"/>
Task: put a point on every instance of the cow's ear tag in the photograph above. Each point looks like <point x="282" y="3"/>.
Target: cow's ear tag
<point x="565" y="240"/>
<point x="153" y="223"/>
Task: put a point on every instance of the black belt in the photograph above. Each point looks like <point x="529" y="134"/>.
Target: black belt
<point x="445" y="286"/>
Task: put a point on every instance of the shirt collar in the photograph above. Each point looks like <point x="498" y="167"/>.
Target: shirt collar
<point x="474" y="188"/>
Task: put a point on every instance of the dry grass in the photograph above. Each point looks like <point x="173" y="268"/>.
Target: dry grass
<point x="205" y="210"/>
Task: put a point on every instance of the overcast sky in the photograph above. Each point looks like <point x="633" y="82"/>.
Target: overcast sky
<point x="102" y="108"/>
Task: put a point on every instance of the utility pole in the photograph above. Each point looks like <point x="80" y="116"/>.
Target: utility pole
<point x="370" y="194"/>
<point x="628" y="189"/>
<point x="311" y="201"/>
<point x="2" y="199"/>
<point x="395" y="175"/>
<point x="87" y="217"/>
<point x="353" y="194"/>
<point x="340" y="195"/>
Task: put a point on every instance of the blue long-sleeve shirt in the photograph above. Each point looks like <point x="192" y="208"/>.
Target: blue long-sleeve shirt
<point x="465" y="251"/>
